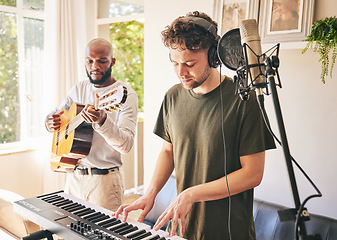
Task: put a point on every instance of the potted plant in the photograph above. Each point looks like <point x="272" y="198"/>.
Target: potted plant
<point x="323" y="39"/>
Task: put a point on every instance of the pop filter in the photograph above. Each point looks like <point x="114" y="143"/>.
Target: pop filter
<point x="230" y="51"/>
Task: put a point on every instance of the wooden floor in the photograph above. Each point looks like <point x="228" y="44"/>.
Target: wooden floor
<point x="130" y="199"/>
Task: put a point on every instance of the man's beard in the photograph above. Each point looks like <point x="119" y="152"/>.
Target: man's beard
<point x="200" y="81"/>
<point x="104" y="78"/>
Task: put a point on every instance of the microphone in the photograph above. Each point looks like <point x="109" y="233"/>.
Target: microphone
<point x="251" y="43"/>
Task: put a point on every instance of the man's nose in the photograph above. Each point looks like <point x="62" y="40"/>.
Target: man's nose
<point x="95" y="65"/>
<point x="182" y="70"/>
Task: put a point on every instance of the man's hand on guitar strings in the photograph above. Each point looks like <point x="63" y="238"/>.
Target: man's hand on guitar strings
<point x="53" y="122"/>
<point x="91" y="115"/>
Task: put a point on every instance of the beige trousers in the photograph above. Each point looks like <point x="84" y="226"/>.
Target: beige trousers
<point x="103" y="190"/>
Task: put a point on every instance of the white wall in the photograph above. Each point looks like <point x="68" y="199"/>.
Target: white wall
<point x="28" y="172"/>
<point x="308" y="107"/>
<point x="310" y="115"/>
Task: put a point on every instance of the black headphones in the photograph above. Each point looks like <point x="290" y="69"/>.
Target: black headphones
<point x="213" y="59"/>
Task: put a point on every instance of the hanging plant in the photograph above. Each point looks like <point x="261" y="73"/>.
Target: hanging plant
<point x="323" y="39"/>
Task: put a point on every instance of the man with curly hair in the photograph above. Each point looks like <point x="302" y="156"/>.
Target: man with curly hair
<point x="213" y="140"/>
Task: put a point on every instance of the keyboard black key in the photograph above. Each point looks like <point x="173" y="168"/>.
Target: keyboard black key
<point x="107" y="221"/>
<point x="155" y="237"/>
<point x="122" y="229"/>
<point x="62" y="203"/>
<point x="92" y="215"/>
<point x="46" y="199"/>
<point x="142" y="236"/>
<point x="136" y="234"/>
<point x="128" y="231"/>
<point x="55" y="199"/>
<point x="75" y="208"/>
<point x="118" y="226"/>
<point x="70" y="206"/>
<point x="107" y="225"/>
<point x="100" y="218"/>
<point x="84" y="212"/>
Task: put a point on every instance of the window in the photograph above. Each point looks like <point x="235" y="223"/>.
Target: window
<point x="123" y="23"/>
<point x="127" y="39"/>
<point x="118" y="8"/>
<point x="21" y="70"/>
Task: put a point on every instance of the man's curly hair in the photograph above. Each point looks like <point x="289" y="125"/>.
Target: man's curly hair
<point x="184" y="34"/>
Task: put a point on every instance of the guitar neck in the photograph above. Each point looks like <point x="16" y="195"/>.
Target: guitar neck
<point x="71" y="126"/>
<point x="75" y="122"/>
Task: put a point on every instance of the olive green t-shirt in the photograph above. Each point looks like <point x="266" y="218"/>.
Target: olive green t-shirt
<point x="193" y="124"/>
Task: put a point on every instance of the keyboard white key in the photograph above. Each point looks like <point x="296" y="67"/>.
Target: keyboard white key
<point x="75" y="219"/>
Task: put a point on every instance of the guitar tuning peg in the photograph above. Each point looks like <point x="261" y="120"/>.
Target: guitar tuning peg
<point x="111" y="109"/>
<point x="119" y="106"/>
<point x="113" y="100"/>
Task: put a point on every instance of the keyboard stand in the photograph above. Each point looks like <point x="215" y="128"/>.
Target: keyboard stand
<point x="42" y="234"/>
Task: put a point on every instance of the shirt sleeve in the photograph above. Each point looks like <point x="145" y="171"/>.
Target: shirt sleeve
<point x="120" y="134"/>
<point x="160" y="128"/>
<point x="255" y="136"/>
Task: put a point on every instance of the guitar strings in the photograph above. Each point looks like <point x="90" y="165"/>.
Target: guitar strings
<point x="70" y="126"/>
<point x="74" y="123"/>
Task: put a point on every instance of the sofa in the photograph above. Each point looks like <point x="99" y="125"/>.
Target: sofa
<point x="267" y="222"/>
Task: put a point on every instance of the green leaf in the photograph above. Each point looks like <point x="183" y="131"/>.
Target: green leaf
<point x="323" y="39"/>
<point x="127" y="39"/>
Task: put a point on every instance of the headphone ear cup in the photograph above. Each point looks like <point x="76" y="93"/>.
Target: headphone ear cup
<point x="213" y="59"/>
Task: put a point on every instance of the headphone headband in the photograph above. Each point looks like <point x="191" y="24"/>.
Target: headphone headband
<point x="213" y="59"/>
<point x="202" y="23"/>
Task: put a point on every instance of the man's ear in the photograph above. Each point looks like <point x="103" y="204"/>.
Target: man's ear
<point x="113" y="61"/>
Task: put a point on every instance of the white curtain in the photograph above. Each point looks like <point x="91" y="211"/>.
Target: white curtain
<point x="65" y="42"/>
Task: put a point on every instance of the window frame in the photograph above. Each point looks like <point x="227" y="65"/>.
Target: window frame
<point x="102" y="29"/>
<point x="21" y="13"/>
<point x="102" y="25"/>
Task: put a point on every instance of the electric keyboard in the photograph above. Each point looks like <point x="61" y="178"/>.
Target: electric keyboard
<point x="72" y="218"/>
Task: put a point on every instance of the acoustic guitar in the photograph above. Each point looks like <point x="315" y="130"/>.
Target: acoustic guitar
<point x="72" y="141"/>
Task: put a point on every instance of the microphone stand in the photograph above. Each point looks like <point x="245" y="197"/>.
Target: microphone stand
<point x="271" y="63"/>
<point x="285" y="146"/>
<point x="302" y="213"/>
